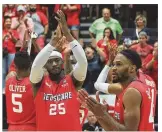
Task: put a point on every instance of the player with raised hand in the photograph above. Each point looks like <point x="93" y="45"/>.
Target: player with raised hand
<point x="57" y="107"/>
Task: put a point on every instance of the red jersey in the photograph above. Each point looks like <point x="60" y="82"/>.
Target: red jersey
<point x="20" y="102"/>
<point x="57" y="107"/>
<point x="104" y="47"/>
<point x="83" y="114"/>
<point x="147" y="107"/>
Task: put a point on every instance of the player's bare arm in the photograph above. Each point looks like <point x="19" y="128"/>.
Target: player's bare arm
<point x="131" y="102"/>
<point x="80" y="69"/>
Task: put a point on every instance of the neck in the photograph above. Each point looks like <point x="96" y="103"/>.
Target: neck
<point x="107" y="20"/>
<point x="141" y="27"/>
<point x="128" y="81"/>
<point x="57" y="77"/>
<point x="142" y="44"/>
<point x="7" y="28"/>
<point x="21" y="75"/>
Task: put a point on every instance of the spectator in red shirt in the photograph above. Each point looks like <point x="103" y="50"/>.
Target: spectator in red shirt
<point x="40" y="24"/>
<point x="10" y="10"/>
<point x="43" y="8"/>
<point x="142" y="48"/>
<point x="150" y="64"/>
<point x="107" y="42"/>
<point x="72" y="12"/>
<point x="10" y="37"/>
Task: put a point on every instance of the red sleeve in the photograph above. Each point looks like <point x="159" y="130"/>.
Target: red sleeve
<point x="56" y="8"/>
<point x="78" y="7"/>
<point x="15" y="34"/>
<point x="134" y="47"/>
<point x="99" y="43"/>
<point x="43" y="18"/>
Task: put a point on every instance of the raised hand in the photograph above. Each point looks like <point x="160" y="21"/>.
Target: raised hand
<point x="62" y="21"/>
<point x="56" y="36"/>
<point x="112" y="54"/>
<point x="63" y="24"/>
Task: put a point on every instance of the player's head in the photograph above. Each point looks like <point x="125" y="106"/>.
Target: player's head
<point x="54" y="63"/>
<point x="22" y="61"/>
<point x="91" y="118"/>
<point x="125" y="65"/>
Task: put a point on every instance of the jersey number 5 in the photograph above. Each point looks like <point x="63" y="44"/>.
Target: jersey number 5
<point x="57" y="109"/>
<point x="18" y="105"/>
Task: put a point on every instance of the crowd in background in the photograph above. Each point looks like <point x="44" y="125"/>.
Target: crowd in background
<point x="105" y="31"/>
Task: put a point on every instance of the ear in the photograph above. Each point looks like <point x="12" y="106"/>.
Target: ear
<point x="132" y="68"/>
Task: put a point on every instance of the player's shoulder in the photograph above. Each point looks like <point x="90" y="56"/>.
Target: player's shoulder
<point x="11" y="78"/>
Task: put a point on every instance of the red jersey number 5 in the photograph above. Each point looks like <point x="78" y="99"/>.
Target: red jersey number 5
<point x="17" y="104"/>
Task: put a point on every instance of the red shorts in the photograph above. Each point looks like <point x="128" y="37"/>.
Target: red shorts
<point x="24" y="127"/>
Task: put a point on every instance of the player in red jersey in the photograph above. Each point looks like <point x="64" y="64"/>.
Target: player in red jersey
<point x="134" y="107"/>
<point x="19" y="96"/>
<point x="57" y="107"/>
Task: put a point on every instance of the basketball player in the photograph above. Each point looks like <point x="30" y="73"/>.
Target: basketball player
<point x="134" y="107"/>
<point x="57" y="107"/>
<point x="21" y="114"/>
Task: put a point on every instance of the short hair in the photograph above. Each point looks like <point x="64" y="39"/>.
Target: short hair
<point x="133" y="56"/>
<point x="22" y="60"/>
<point x="143" y="17"/>
<point x="111" y="33"/>
<point x="143" y="34"/>
<point x="106" y="9"/>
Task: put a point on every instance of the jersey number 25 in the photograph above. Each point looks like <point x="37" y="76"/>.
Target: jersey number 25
<point x="57" y="109"/>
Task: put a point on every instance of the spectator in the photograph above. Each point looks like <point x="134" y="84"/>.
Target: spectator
<point x="140" y="23"/>
<point x="100" y="24"/>
<point x="10" y="10"/>
<point x="72" y="12"/>
<point x="43" y="8"/>
<point x="40" y="24"/>
<point x="92" y="124"/>
<point x="150" y="64"/>
<point x="10" y="38"/>
<point x="142" y="48"/>
<point x="21" y="23"/>
<point x="95" y="65"/>
<point x="107" y="41"/>
<point x="91" y="7"/>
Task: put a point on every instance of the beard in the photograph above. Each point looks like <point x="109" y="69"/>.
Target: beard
<point x="121" y="77"/>
<point x="56" y="76"/>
